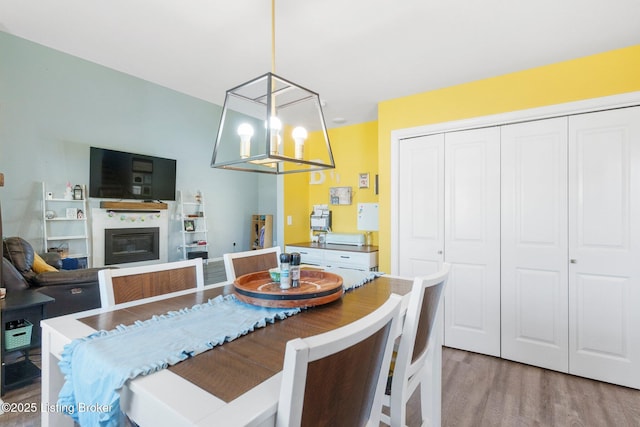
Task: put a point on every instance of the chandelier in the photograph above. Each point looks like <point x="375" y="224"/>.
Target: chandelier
<point x="272" y="125"/>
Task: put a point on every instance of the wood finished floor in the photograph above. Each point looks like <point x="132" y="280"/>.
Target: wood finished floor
<point x="478" y="391"/>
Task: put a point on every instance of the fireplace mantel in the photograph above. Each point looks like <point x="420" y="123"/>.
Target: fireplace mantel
<point x="133" y="206"/>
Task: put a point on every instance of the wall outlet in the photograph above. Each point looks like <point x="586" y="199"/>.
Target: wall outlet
<point x="289" y="220"/>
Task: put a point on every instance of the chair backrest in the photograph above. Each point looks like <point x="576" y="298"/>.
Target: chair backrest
<point x="417" y="339"/>
<point x="426" y="295"/>
<point x="238" y="263"/>
<point x="133" y="283"/>
<point x="338" y="377"/>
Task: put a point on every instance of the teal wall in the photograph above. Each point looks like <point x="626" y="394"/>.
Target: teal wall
<point x="54" y="106"/>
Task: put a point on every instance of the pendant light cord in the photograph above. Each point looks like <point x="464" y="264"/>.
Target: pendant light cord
<point x="273" y="36"/>
<point x="273" y="58"/>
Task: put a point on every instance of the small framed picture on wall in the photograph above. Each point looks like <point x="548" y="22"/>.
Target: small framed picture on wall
<point x="363" y="180"/>
<point x="340" y="195"/>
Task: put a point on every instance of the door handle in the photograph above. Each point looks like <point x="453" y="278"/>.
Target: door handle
<point x="439" y="252"/>
<point x="573" y="261"/>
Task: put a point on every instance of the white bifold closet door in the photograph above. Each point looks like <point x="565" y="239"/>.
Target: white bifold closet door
<point x="534" y="243"/>
<point x="472" y="240"/>
<point x="604" y="246"/>
<point x="421" y="205"/>
<point x="449" y="210"/>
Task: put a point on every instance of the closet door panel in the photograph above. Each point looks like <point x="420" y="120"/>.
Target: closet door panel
<point x="534" y="282"/>
<point x="604" y="246"/>
<point x="420" y="210"/>
<point x="472" y="240"/>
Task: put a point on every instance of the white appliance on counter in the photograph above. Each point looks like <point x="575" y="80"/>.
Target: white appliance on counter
<point x="353" y="239"/>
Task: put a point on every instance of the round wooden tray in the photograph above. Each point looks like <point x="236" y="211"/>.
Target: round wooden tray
<point x="316" y="288"/>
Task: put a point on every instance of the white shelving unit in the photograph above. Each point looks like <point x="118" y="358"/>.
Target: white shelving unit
<point x="193" y="225"/>
<point x="65" y="225"/>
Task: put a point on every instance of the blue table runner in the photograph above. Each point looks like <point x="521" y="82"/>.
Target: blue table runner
<point x="97" y="366"/>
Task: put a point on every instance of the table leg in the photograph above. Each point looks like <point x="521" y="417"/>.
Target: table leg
<point x="52" y="381"/>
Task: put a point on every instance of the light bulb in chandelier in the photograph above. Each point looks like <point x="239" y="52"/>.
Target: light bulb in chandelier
<point x="276" y="140"/>
<point x="245" y="131"/>
<point x="299" y="135"/>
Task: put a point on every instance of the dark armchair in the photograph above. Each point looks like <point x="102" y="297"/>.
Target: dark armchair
<point x="73" y="290"/>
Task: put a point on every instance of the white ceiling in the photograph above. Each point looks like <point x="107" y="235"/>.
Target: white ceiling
<point x="354" y="53"/>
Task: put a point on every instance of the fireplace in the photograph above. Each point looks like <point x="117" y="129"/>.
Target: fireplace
<point x="126" y="245"/>
<point x="103" y="220"/>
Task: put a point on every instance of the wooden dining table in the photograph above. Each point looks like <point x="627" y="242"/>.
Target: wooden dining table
<point x="236" y="383"/>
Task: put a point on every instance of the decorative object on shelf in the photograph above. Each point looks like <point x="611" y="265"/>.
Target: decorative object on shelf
<point x="363" y="180"/>
<point x="189" y="225"/>
<point x="263" y="109"/>
<point x="68" y="192"/>
<point x="72" y="213"/>
<point x="49" y="195"/>
<point x="77" y="192"/>
<point x="340" y="195"/>
<point x="80" y="214"/>
<point x="50" y="214"/>
<point x="62" y="249"/>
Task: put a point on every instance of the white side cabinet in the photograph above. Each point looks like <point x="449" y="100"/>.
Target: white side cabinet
<point x="65" y="225"/>
<point x="341" y="256"/>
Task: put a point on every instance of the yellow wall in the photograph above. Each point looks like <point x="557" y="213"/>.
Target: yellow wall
<point x="608" y="73"/>
<point x="355" y="151"/>
<point x="296" y="205"/>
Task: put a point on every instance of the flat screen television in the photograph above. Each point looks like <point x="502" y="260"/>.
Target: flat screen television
<point x="119" y="175"/>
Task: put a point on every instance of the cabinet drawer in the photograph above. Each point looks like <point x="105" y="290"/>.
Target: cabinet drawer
<point x="359" y="260"/>
<point x="308" y="255"/>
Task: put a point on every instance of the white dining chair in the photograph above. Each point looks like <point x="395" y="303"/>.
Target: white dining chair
<point x="338" y="378"/>
<point x="238" y="263"/>
<point x="133" y="283"/>
<point x="418" y="359"/>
